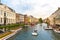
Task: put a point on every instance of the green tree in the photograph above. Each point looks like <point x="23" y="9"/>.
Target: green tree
<point x="48" y="22"/>
<point x="40" y="20"/>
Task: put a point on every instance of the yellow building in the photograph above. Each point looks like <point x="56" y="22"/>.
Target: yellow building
<point x="26" y="19"/>
<point x="33" y="19"/>
<point x="7" y="15"/>
<point x="30" y="19"/>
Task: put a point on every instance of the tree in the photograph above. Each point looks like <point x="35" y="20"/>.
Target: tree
<point x="40" y="20"/>
<point x="48" y="22"/>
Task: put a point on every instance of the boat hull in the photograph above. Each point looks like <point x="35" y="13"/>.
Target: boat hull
<point x="50" y="28"/>
<point x="56" y="31"/>
<point x="34" y="34"/>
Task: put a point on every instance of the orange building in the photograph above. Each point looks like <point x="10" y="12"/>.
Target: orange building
<point x="26" y="19"/>
<point x="17" y="18"/>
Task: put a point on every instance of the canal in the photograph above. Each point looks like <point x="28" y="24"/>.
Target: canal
<point x="26" y="34"/>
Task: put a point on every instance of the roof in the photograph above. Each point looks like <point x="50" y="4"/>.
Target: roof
<point x="11" y="9"/>
<point x="1" y="4"/>
<point x="56" y="11"/>
<point x="8" y="7"/>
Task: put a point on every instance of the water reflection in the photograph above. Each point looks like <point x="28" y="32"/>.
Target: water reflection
<point x="25" y="34"/>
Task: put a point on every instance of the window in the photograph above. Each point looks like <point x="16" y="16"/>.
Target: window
<point x="4" y="14"/>
<point x="0" y="12"/>
<point x="1" y="20"/>
<point x="7" y="14"/>
<point x="7" y="20"/>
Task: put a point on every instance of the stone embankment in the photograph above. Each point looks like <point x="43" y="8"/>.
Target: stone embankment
<point x="10" y="35"/>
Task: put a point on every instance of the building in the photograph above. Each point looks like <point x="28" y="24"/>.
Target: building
<point x="17" y="18"/>
<point x="21" y="18"/>
<point x="33" y="19"/>
<point x="25" y="19"/>
<point x="55" y="17"/>
<point x="7" y="15"/>
<point x="57" y="20"/>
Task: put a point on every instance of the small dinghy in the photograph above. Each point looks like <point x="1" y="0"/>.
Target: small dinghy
<point x="48" y="28"/>
<point x="35" y="33"/>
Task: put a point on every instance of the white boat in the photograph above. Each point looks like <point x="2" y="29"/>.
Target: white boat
<point x="50" y="28"/>
<point x="35" y="33"/>
<point x="57" y="31"/>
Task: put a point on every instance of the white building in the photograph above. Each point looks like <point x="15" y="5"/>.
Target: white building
<point x="7" y="15"/>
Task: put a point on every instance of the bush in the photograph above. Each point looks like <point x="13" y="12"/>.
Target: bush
<point x="11" y="26"/>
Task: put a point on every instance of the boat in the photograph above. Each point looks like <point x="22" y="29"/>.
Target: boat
<point x="57" y="31"/>
<point x="48" y="28"/>
<point x="35" y="33"/>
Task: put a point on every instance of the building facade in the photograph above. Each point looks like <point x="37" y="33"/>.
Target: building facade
<point x="17" y="18"/>
<point x="55" y="17"/>
<point x="33" y="19"/>
<point x="25" y="19"/>
<point x="21" y="18"/>
<point x="7" y="15"/>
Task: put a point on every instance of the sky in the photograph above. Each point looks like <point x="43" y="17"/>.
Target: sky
<point x="36" y="8"/>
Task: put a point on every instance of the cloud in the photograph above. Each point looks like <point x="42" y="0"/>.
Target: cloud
<point x="15" y="2"/>
<point x="37" y="8"/>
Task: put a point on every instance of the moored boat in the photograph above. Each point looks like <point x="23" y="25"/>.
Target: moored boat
<point x="35" y="33"/>
<point x="48" y="28"/>
<point x="57" y="31"/>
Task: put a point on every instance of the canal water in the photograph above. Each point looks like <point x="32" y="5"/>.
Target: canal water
<point x="26" y="34"/>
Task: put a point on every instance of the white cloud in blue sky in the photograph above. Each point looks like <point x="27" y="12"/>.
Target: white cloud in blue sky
<point x="37" y="8"/>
